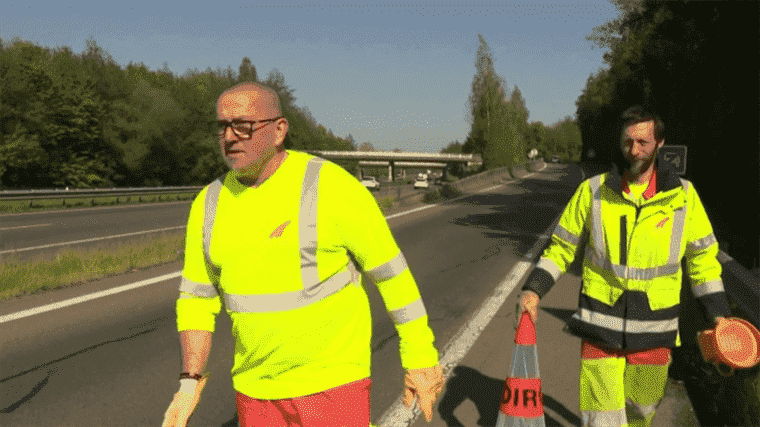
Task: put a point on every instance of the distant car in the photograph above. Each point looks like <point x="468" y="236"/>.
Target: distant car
<point x="555" y="159"/>
<point x="421" y="182"/>
<point x="371" y="183"/>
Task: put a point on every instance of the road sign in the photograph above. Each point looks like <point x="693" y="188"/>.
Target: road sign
<point x="675" y="154"/>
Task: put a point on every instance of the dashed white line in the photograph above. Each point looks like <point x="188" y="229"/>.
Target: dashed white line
<point x="137" y="205"/>
<point x="23" y="226"/>
<point x="52" y="245"/>
<point x="84" y="298"/>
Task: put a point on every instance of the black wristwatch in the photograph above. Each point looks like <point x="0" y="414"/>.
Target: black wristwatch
<point x="188" y="375"/>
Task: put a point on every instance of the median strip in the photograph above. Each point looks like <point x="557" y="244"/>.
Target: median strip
<point x="73" y="242"/>
<point x="18" y="278"/>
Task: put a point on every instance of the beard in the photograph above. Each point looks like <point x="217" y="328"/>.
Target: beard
<point x="637" y="167"/>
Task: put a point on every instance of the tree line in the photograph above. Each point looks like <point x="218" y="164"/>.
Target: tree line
<point x="695" y="64"/>
<point x="83" y="121"/>
<point x="499" y="129"/>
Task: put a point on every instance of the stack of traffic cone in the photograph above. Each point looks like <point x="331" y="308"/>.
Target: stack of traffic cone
<point x="522" y="401"/>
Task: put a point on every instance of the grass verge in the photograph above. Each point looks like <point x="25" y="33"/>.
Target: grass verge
<point x="443" y="193"/>
<point x="386" y="203"/>
<point x="17" y="206"/>
<point x="73" y="267"/>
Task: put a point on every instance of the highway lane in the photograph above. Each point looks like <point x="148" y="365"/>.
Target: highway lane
<point x="114" y="361"/>
<point x="34" y="233"/>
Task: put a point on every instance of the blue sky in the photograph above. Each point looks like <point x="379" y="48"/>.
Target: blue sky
<point x="396" y="75"/>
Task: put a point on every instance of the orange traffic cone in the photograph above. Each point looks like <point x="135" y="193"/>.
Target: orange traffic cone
<point x="522" y="402"/>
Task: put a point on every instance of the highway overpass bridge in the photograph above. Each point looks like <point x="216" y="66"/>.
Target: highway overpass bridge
<point x="401" y="161"/>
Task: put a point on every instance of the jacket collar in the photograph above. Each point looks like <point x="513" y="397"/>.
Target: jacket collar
<point x="666" y="178"/>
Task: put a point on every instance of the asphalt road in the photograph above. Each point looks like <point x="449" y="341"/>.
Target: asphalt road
<point x="114" y="360"/>
<point x="47" y="233"/>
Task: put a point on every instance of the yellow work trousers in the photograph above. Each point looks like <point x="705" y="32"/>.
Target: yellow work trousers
<point x="621" y="387"/>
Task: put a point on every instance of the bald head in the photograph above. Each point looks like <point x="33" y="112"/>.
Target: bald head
<point x="258" y="97"/>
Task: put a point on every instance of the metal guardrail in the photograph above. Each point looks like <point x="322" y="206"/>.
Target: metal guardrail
<point x="96" y="192"/>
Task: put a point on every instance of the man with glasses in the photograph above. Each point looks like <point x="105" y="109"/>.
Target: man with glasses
<point x="277" y="239"/>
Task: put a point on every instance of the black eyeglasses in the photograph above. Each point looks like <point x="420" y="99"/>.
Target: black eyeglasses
<point x="242" y="128"/>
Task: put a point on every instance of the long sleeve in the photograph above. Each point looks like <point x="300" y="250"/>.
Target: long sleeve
<point x="198" y="303"/>
<point x="560" y="253"/>
<point x="701" y="254"/>
<point x="368" y="238"/>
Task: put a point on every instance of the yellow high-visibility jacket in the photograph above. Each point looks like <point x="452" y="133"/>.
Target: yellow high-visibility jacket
<point x="281" y="257"/>
<point x="631" y="280"/>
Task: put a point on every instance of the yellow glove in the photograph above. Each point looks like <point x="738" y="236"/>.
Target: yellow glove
<point x="528" y="302"/>
<point x="184" y="403"/>
<point x="426" y="385"/>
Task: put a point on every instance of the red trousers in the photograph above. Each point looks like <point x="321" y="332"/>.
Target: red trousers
<point x="652" y="356"/>
<point x="345" y="406"/>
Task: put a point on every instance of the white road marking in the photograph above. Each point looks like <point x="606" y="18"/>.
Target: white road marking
<point x="23" y="226"/>
<point x="398" y="415"/>
<point x="84" y="298"/>
<point x="90" y="240"/>
<point x="136" y="205"/>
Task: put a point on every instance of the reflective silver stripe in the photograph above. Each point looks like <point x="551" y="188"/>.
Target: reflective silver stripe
<point x="708" y="288"/>
<point x="615" y="323"/>
<point x="412" y="311"/>
<point x="204" y="290"/>
<point x="528" y="368"/>
<point x="388" y="270"/>
<point x="643" y="410"/>
<point x="602" y="320"/>
<point x="651" y="326"/>
<point x="685" y="184"/>
<point x="550" y="267"/>
<point x="596" y="215"/>
<point x="286" y="301"/>
<point x="209" y="215"/>
<point x="508" y="420"/>
<point x="307" y="219"/>
<point x="628" y="272"/>
<point x="614" y="418"/>
<point x="703" y="243"/>
<point x="676" y="237"/>
<point x="567" y="236"/>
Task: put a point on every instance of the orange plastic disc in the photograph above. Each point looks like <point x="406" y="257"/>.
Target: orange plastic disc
<point x="737" y="345"/>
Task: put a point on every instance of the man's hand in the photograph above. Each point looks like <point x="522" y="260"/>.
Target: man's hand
<point x="718" y="320"/>
<point x="426" y="385"/>
<point x="183" y="405"/>
<point x="528" y="301"/>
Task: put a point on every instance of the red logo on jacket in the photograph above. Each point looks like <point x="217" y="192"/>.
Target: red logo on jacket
<point x="278" y="231"/>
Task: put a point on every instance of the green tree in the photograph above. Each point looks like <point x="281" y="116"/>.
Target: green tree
<point x="453" y="148"/>
<point x="366" y="146"/>
<point x="610" y="34"/>
<point x="246" y="71"/>
<point x="497" y="125"/>
<point x="276" y="80"/>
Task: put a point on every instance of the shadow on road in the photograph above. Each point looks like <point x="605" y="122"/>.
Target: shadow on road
<point x="485" y="392"/>
<point x="562" y="314"/>
<point x="232" y="423"/>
